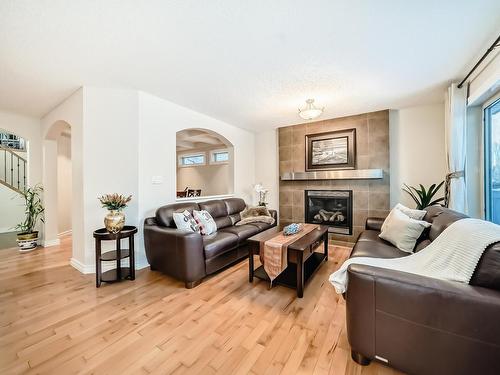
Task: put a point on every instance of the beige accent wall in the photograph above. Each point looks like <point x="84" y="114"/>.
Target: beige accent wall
<point x="370" y="197"/>
<point x="211" y="179"/>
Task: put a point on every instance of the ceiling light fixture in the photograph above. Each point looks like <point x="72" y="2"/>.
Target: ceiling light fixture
<point x="310" y="111"/>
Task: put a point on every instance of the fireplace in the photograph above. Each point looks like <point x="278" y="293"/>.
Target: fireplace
<point x="330" y="207"/>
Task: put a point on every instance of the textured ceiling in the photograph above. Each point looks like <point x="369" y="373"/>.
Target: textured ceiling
<point x="249" y="63"/>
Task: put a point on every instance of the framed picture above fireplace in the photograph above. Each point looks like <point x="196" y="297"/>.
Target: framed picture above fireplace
<point x="332" y="150"/>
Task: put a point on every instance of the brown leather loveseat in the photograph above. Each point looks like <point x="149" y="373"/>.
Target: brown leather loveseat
<point x="189" y="256"/>
<point x="422" y="325"/>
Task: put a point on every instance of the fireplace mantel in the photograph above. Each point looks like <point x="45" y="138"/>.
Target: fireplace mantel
<point x="345" y="174"/>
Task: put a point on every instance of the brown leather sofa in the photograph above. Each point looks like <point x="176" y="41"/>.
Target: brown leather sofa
<point x="189" y="256"/>
<point x="422" y="325"/>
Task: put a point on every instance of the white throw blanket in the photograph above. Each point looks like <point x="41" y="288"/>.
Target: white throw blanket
<point x="453" y="255"/>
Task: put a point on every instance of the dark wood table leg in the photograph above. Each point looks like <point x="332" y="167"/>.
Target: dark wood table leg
<point x="118" y="259"/>
<point x="326" y="246"/>
<point x="250" y="263"/>
<point x="97" y="263"/>
<point x="132" y="257"/>
<point x="300" y="275"/>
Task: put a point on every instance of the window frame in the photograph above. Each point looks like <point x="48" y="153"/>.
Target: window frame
<point x="486" y="154"/>
<point x="180" y="163"/>
<point x="219" y="151"/>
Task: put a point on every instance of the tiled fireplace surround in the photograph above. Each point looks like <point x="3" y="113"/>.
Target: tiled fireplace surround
<point x="370" y="197"/>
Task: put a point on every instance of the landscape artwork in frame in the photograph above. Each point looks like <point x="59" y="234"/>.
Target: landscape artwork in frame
<point x="332" y="150"/>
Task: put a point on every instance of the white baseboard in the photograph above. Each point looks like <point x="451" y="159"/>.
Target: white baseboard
<point x="106" y="266"/>
<point x="49" y="243"/>
<point x="65" y="233"/>
<point x="6" y="230"/>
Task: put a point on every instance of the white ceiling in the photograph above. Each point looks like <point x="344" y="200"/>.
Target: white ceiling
<point x="249" y="63"/>
<point x="191" y="139"/>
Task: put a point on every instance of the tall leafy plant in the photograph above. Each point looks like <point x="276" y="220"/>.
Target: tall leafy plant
<point x="424" y="197"/>
<point x="34" y="209"/>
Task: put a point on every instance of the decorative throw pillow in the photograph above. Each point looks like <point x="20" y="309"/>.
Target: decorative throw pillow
<point x="412" y="213"/>
<point x="402" y="231"/>
<point x="254" y="215"/>
<point x="185" y="221"/>
<point x="205" y="221"/>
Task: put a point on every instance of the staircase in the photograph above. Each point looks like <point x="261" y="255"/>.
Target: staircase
<point x="12" y="170"/>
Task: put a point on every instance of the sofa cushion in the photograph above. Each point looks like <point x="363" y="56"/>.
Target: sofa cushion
<point x="261" y="226"/>
<point x="164" y="215"/>
<point x="243" y="231"/>
<point x="421" y="245"/>
<point x="218" y="210"/>
<point x="441" y="218"/>
<point x="218" y="243"/>
<point x="487" y="273"/>
<point x="369" y="244"/>
<point x="234" y="205"/>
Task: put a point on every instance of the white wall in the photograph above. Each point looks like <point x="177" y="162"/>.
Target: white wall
<point x="64" y="182"/>
<point x="486" y="81"/>
<point x="417" y="148"/>
<point x="28" y="128"/>
<point x="110" y="154"/>
<point x="11" y="208"/>
<point x="266" y="165"/>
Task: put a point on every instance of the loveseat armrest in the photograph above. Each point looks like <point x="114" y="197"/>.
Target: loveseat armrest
<point x="392" y="313"/>
<point x="374" y="223"/>
<point x="174" y="252"/>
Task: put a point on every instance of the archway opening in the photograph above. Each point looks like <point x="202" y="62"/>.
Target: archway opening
<point x="58" y="184"/>
<point x="205" y="164"/>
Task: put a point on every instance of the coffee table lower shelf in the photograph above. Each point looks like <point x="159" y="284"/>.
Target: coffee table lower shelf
<point x="288" y="277"/>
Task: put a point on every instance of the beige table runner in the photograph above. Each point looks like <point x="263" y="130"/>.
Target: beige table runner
<point x="273" y="252"/>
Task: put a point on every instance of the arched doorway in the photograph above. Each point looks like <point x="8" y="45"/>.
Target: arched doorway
<point x="205" y="164"/>
<point x="58" y="184"/>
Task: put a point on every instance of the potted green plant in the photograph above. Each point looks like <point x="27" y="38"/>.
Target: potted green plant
<point x="27" y="237"/>
<point x="114" y="221"/>
<point x="424" y="197"/>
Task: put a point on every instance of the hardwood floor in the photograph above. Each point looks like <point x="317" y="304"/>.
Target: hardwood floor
<point x="54" y="321"/>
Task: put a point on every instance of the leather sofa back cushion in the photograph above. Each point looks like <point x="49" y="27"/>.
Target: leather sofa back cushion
<point x="487" y="273"/>
<point x="441" y="218"/>
<point x="234" y="207"/>
<point x="164" y="215"/>
<point x="218" y="210"/>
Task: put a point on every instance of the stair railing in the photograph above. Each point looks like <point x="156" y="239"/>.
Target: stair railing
<point x="12" y="170"/>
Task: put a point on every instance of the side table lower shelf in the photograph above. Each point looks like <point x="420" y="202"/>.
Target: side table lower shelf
<point x="112" y="275"/>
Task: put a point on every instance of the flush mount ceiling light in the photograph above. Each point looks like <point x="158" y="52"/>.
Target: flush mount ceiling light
<point x="310" y="111"/>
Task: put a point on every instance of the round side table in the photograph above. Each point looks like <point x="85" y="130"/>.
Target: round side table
<point x="119" y="273"/>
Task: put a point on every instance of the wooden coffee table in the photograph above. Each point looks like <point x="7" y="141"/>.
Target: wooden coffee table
<point x="303" y="261"/>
